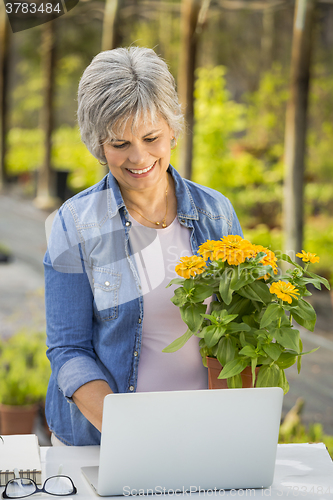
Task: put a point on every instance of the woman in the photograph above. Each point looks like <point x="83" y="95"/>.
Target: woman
<point x="113" y="249"/>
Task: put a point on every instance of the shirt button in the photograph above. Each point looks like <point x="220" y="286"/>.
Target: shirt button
<point x="135" y="353"/>
<point x="107" y="283"/>
<point x="131" y="388"/>
<point x="140" y="320"/>
<point x="182" y="221"/>
<point x="127" y="223"/>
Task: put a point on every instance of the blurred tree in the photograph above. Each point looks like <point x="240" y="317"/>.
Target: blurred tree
<point x="46" y="176"/>
<point x="4" y="52"/>
<point x="193" y="16"/>
<point x="267" y="37"/>
<point x="110" y="37"/>
<point x="296" y="124"/>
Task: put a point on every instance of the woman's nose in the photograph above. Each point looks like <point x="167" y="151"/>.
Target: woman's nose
<point x="137" y="154"/>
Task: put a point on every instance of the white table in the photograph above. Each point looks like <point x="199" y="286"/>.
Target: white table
<point x="302" y="470"/>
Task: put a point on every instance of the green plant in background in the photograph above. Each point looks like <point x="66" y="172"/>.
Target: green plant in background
<point x="250" y="320"/>
<point x="68" y="153"/>
<point x="218" y="119"/>
<point x="24" y="369"/>
<point x="24" y="150"/>
<point x="292" y="430"/>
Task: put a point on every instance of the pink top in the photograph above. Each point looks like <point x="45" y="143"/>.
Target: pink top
<point x="162" y="323"/>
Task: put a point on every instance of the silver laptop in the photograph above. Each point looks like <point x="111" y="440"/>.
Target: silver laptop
<point x="187" y="441"/>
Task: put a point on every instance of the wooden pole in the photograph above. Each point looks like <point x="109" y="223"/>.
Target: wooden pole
<point x="296" y="125"/>
<point x="267" y="37"/>
<point x="4" y="49"/>
<point x="109" y="38"/>
<point x="188" y="47"/>
<point x="46" y="176"/>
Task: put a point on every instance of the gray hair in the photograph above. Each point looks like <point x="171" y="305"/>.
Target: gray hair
<point x="121" y="84"/>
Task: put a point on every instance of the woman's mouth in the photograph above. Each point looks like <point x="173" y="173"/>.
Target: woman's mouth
<point x="143" y="171"/>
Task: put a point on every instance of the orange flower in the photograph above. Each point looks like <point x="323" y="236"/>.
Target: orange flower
<point x="207" y="249"/>
<point x="284" y="291"/>
<point x="233" y="249"/>
<point x="190" y="266"/>
<point x="269" y="259"/>
<point x="308" y="257"/>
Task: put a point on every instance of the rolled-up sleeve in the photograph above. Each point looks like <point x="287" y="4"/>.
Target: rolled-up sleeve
<point x="69" y="315"/>
<point x="76" y="372"/>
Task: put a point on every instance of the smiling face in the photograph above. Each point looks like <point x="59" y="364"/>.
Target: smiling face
<point x="139" y="158"/>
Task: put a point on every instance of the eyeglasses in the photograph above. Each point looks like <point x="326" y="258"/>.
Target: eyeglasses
<point x="24" y="487"/>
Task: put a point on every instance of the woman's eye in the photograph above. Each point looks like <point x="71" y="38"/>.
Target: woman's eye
<point x="150" y="139"/>
<point x="120" y="146"/>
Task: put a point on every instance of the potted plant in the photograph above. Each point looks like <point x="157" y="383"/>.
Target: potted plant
<point x="250" y="325"/>
<point x="24" y="375"/>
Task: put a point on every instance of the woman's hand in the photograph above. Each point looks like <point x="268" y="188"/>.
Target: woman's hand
<point x="89" y="399"/>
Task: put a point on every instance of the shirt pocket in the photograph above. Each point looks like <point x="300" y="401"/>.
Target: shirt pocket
<point x="106" y="285"/>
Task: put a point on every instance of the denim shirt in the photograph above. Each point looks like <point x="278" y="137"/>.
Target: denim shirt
<point x="94" y="303"/>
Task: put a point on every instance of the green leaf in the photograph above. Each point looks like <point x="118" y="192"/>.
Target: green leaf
<point x="238" y="327"/>
<point x="304" y="310"/>
<point x="253" y="370"/>
<point x="175" y="281"/>
<point x="272" y="313"/>
<point x="299" y="358"/>
<point x="308" y="325"/>
<point x="224" y="286"/>
<point x="235" y="382"/>
<point x="238" y="281"/>
<point x="189" y="284"/>
<point x="262" y="270"/>
<point x="287" y="337"/>
<point x="213" y="334"/>
<point x="286" y="258"/>
<point x="191" y="315"/>
<point x="239" y="305"/>
<point x="249" y="351"/>
<point x="273" y="350"/>
<point x="201" y="292"/>
<point x="233" y="368"/>
<point x="226" y="350"/>
<point x="319" y="278"/>
<point x="268" y="376"/>
<point x="180" y="297"/>
<point x="256" y="291"/>
<point x="286" y="359"/>
<point x="212" y="318"/>
<point x="178" y="343"/>
<point x="283" y="382"/>
<point x="304" y="314"/>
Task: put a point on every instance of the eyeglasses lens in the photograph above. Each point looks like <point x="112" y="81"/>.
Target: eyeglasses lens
<point x="19" y="488"/>
<point x="58" y="485"/>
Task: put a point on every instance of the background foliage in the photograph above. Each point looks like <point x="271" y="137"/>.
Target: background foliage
<point x="241" y="94"/>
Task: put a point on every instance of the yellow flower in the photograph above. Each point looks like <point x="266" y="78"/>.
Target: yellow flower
<point x="233" y="249"/>
<point x="284" y="291"/>
<point x="308" y="257"/>
<point x="269" y="259"/>
<point x="190" y="266"/>
<point x="207" y="249"/>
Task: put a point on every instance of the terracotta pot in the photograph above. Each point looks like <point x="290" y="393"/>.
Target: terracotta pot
<point x="214" y="369"/>
<point x="17" y="419"/>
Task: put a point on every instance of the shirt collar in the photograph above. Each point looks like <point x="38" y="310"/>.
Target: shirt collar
<point x="186" y="208"/>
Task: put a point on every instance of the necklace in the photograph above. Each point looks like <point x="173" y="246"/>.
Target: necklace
<point x="157" y="223"/>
